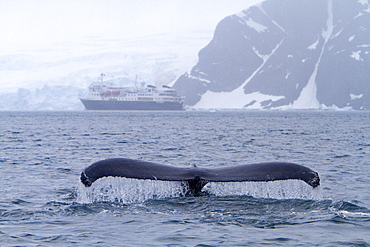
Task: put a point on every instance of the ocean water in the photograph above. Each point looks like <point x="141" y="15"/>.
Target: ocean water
<point x="43" y="202"/>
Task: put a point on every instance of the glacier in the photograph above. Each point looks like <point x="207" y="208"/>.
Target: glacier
<point x="55" y="78"/>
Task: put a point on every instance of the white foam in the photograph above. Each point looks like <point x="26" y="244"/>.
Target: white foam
<point x="357" y="215"/>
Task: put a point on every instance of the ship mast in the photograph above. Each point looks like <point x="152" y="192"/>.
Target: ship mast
<point x="101" y="77"/>
<point x="136" y="83"/>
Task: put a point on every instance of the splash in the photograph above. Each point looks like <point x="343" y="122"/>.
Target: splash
<point x="127" y="190"/>
<point x="287" y="189"/>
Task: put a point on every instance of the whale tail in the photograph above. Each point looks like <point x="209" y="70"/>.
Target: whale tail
<point x="195" y="177"/>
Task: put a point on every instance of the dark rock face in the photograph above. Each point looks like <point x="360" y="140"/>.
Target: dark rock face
<point x="285" y="54"/>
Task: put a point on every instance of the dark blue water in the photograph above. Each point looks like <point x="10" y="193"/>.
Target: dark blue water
<point x="43" y="203"/>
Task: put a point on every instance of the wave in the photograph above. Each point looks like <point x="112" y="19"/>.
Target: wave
<point x="230" y="210"/>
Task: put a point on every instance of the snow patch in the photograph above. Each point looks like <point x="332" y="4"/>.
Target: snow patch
<point x="356" y="55"/>
<point x="354" y="96"/>
<point x="339" y="52"/>
<point x="363" y="2"/>
<point x="241" y="14"/>
<point x="314" y="45"/>
<point x="264" y="57"/>
<point x="234" y="100"/>
<point x="329" y="23"/>
<point x="338" y="33"/>
<point x="307" y="98"/>
<point x="359" y="14"/>
<point x="255" y="25"/>
<point x="199" y="79"/>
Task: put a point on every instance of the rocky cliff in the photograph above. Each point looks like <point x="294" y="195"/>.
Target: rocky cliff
<point x="285" y="54"/>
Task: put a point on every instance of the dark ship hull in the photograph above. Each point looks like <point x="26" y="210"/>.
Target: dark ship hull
<point x="131" y="105"/>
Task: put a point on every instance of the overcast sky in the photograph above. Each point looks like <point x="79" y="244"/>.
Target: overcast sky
<point x="32" y="24"/>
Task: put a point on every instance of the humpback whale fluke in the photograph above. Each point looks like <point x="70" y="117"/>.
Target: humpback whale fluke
<point x="197" y="177"/>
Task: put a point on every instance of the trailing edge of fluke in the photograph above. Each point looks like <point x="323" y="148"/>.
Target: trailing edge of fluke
<point x="196" y="177"/>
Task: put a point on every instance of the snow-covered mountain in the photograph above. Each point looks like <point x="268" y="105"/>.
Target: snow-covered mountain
<point x="285" y="54"/>
<point x="54" y="78"/>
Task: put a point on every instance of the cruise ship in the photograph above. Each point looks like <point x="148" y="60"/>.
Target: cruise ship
<point x="104" y="97"/>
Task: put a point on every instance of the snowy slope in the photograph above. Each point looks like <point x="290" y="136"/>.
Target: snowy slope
<point x="285" y="54"/>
